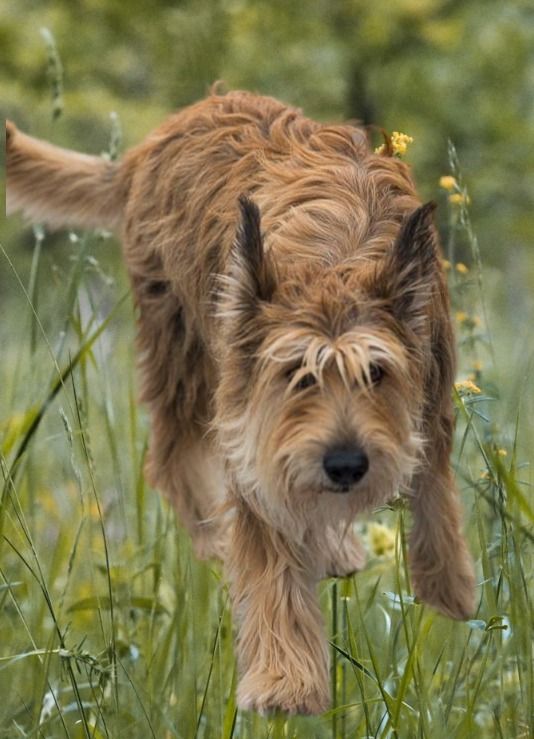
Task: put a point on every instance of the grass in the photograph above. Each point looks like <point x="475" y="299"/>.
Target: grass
<point x="110" y="628"/>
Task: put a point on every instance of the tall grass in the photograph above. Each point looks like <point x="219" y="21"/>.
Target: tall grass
<point x="110" y="628"/>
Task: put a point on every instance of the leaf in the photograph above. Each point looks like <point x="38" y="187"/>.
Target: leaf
<point x="17" y="426"/>
<point x="353" y="661"/>
<point x="405" y="599"/>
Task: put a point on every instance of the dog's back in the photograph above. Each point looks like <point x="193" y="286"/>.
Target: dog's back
<point x="64" y="188"/>
<point x="174" y="197"/>
<point x="206" y="156"/>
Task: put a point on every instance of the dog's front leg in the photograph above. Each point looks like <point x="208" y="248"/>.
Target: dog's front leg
<point x="281" y="646"/>
<point x="441" y="565"/>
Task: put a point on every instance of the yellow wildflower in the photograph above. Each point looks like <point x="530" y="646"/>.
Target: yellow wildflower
<point x="461" y="268"/>
<point x="467" y="387"/>
<point x="448" y="183"/>
<point x="446" y="264"/>
<point x="380" y="149"/>
<point x="93" y="511"/>
<point x="477" y="364"/>
<point x="468" y="322"/>
<point x="399" y="142"/>
<point x="48" y="503"/>
<point x="510" y="678"/>
<point x="381" y="539"/>
<point x="459" y="198"/>
<point x="502" y="453"/>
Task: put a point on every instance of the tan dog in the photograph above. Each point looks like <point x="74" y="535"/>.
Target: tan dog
<point x="297" y="368"/>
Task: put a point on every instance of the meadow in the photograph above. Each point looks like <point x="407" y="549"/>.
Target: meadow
<point x="108" y="625"/>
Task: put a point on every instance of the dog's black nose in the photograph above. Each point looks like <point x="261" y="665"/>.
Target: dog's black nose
<point x="345" y="467"/>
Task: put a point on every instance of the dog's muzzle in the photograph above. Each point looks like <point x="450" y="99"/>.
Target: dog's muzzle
<point x="345" y="467"/>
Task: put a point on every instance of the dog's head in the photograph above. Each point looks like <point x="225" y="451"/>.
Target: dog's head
<point x="322" y="377"/>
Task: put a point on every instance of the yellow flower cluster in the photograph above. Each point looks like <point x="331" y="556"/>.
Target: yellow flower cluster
<point x="381" y="539"/>
<point x="457" y="196"/>
<point x="448" y="183"/>
<point x="467" y="321"/>
<point x="398" y="142"/>
<point x="460" y="267"/>
<point x="467" y="387"/>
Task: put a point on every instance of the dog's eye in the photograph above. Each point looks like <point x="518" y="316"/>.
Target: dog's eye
<point x="376" y="373"/>
<point x="306" y="381"/>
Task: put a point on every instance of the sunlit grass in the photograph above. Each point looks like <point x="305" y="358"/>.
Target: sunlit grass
<point x="110" y="628"/>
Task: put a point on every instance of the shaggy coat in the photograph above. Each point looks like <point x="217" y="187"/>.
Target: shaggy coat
<point x="292" y="313"/>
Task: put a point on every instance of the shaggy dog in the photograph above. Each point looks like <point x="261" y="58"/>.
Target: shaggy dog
<point x="296" y="356"/>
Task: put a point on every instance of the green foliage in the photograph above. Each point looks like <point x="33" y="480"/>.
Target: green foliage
<point x="108" y="625"/>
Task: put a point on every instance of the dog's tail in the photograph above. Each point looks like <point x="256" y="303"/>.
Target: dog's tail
<point x="60" y="187"/>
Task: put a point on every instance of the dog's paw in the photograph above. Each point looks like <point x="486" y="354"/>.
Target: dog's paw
<point x="348" y="558"/>
<point x="268" y="693"/>
<point x="451" y="591"/>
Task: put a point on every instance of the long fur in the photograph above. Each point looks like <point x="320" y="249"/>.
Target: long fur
<point x="61" y="187"/>
<point x="276" y="263"/>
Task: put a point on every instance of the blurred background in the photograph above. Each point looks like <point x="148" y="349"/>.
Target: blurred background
<point x="98" y="79"/>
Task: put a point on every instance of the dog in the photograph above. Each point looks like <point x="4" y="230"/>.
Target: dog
<point x="296" y="356"/>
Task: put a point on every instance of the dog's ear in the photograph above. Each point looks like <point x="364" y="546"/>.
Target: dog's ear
<point x="407" y="278"/>
<point x="252" y="268"/>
